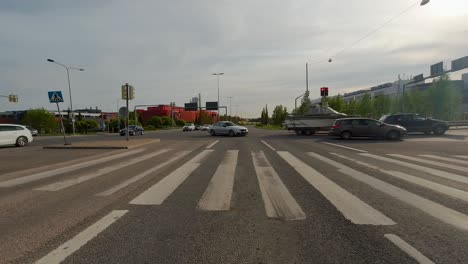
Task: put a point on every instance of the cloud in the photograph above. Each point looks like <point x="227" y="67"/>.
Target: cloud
<point x="168" y="50"/>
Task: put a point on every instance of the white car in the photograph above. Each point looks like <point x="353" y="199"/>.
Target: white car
<point x="228" y="128"/>
<point x="188" y="127"/>
<point x="14" y="135"/>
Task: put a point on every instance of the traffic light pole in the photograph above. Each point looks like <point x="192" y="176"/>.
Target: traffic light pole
<point x="128" y="112"/>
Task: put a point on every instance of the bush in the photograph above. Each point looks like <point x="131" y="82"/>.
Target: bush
<point x="149" y="127"/>
<point x="155" y="121"/>
<point x="180" y="122"/>
<point x="166" y="121"/>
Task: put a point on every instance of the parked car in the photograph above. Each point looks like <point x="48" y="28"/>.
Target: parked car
<point x="416" y="123"/>
<point x="188" y="127"/>
<point x="34" y="131"/>
<point x="346" y="128"/>
<point x="132" y="131"/>
<point x="205" y="128"/>
<point x="14" y="135"/>
<point x="228" y="128"/>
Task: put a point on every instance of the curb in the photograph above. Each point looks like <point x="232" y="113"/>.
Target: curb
<point x="101" y="147"/>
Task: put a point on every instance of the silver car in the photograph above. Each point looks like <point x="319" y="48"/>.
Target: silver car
<point x="228" y="128"/>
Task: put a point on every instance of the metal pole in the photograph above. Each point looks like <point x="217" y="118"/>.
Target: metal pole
<point x="307" y="76"/>
<point x="218" y="97"/>
<point x="71" y="102"/>
<point x="128" y="112"/>
<point x="63" y="127"/>
<point x="230" y="108"/>
<point x="134" y="111"/>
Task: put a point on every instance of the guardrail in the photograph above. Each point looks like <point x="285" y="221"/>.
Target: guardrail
<point x="458" y="123"/>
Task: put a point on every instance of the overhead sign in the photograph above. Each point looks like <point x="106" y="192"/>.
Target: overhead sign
<point x="123" y="111"/>
<point x="460" y="64"/>
<point x="437" y="69"/>
<point x="191" y="106"/>
<point x="55" y="96"/>
<point x="211" y="105"/>
<point x="418" y="78"/>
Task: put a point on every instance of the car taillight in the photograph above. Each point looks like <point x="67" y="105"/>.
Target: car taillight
<point x="335" y="126"/>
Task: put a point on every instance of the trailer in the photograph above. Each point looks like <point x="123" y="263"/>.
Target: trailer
<point x="318" y="118"/>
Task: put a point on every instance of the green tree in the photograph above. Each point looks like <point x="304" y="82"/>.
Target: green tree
<point x="445" y="99"/>
<point x="166" y="121"/>
<point x="155" y="121"/>
<point x="365" y="106"/>
<point x="41" y="120"/>
<point x="180" y="122"/>
<point x="279" y="115"/>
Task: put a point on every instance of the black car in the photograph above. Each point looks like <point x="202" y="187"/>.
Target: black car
<point x="416" y="123"/>
<point x="132" y="131"/>
<point x="365" y="127"/>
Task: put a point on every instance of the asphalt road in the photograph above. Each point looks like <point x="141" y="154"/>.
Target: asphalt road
<point x="269" y="197"/>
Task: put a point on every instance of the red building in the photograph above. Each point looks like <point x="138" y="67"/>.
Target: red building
<point x="179" y="113"/>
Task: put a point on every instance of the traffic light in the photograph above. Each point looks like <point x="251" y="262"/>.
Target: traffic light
<point x="13" y="98"/>
<point x="324" y="91"/>
<point x="124" y="92"/>
<point x="131" y="93"/>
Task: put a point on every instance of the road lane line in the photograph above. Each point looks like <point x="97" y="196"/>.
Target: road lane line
<point x="60" y="185"/>
<point x="212" y="144"/>
<point x="268" y="145"/>
<point x="72" y="245"/>
<point x="345" y="147"/>
<point x="431" y="162"/>
<point x="124" y="184"/>
<point x="352" y="208"/>
<point x="459" y="194"/>
<point x="465" y="162"/>
<point x="438" y="173"/>
<point x="278" y="202"/>
<point x="410" y="250"/>
<point x="51" y="173"/>
<point x="444" y="214"/>
<point x="157" y="194"/>
<point x="461" y="157"/>
<point x="217" y="196"/>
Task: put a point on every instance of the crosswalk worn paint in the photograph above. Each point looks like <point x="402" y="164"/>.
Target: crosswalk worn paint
<point x="281" y="203"/>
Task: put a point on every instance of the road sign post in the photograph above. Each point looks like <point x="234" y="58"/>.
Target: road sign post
<point x="127" y="94"/>
<point x="56" y="97"/>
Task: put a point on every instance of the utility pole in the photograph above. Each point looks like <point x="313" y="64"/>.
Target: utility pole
<point x="230" y="108"/>
<point x="307" y="76"/>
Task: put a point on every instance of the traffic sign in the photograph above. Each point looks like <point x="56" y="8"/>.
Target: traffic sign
<point x="191" y="106"/>
<point x="123" y="111"/>
<point x="55" y="96"/>
<point x="437" y="69"/>
<point x="211" y="105"/>
<point x="460" y="64"/>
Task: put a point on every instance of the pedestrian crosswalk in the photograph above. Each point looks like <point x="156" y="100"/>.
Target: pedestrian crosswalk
<point x="440" y="175"/>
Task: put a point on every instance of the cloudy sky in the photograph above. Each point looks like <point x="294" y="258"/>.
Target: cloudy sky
<point x="168" y="49"/>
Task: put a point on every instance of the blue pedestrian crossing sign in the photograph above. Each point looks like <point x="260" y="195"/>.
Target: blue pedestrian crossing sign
<point x="55" y="96"/>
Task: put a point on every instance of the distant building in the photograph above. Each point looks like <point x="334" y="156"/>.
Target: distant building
<point x="167" y="110"/>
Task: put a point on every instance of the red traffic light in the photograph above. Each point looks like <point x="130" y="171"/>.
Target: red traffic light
<point x="324" y="91"/>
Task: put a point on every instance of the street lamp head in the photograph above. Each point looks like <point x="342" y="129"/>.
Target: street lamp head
<point x="425" y="2"/>
<point x="49" y="60"/>
<point x="81" y="69"/>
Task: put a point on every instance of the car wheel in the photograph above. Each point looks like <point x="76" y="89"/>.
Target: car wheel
<point x="428" y="132"/>
<point x="439" y="130"/>
<point x="346" y="135"/>
<point x="393" y="135"/>
<point x="21" y="141"/>
<point x="298" y="132"/>
<point x="308" y="132"/>
<point x="231" y="133"/>
<point x="212" y="132"/>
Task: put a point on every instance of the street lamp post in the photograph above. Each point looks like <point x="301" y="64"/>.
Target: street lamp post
<point x="230" y="108"/>
<point x="217" y="75"/>
<point x="69" y="89"/>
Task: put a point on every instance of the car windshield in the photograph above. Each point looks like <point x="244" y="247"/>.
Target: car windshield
<point x="382" y="119"/>
<point x="229" y="124"/>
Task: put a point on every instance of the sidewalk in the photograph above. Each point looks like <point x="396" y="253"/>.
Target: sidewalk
<point x="111" y="144"/>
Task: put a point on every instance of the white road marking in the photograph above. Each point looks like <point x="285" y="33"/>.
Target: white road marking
<point x="459" y="194"/>
<point x="51" y="173"/>
<point x="461" y="157"/>
<point x="268" y="145"/>
<point x="438" y="173"/>
<point x="60" y="185"/>
<point x="431" y="162"/>
<point x="345" y="147"/>
<point x="157" y="194"/>
<point x="352" y="208"/>
<point x="431" y="208"/>
<point x="410" y="250"/>
<point x="465" y="162"/>
<point x="212" y="144"/>
<point x="217" y="196"/>
<point x="124" y="184"/>
<point x="278" y="202"/>
<point x="72" y="245"/>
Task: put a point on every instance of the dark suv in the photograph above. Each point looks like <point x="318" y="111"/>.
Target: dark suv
<point x="416" y="123"/>
<point x="365" y="127"/>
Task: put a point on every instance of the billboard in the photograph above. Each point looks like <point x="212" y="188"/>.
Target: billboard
<point x="437" y="69"/>
<point x="211" y="105"/>
<point x="460" y="64"/>
<point x="191" y="107"/>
